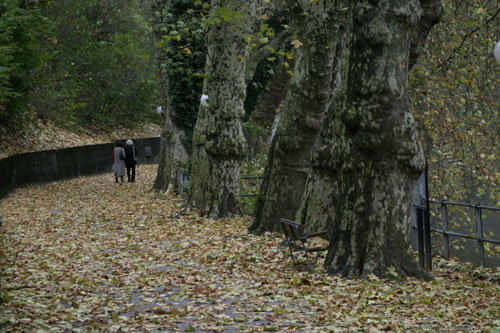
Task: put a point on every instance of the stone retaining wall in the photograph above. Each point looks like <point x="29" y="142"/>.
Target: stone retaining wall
<point x="51" y="165"/>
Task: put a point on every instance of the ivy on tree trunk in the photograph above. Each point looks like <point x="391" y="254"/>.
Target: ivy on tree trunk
<point x="171" y="149"/>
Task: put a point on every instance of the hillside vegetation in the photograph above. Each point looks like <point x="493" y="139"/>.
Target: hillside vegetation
<point x="79" y="64"/>
<point x="49" y="136"/>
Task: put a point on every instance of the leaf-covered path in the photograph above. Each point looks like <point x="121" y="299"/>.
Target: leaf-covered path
<point x="90" y="255"/>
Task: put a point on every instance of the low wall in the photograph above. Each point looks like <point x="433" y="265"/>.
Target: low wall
<point x="51" y="165"/>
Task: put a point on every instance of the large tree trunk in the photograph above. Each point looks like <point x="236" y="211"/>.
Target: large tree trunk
<point x="321" y="28"/>
<point x="218" y="141"/>
<point x="172" y="152"/>
<point x="264" y="115"/>
<point x="368" y="156"/>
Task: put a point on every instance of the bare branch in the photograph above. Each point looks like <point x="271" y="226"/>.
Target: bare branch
<point x="432" y="11"/>
<point x="465" y="37"/>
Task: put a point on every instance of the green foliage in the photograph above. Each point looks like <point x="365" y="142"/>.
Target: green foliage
<point x="21" y="26"/>
<point x="265" y="69"/>
<point x="184" y="33"/>
<point x="100" y="70"/>
<point x="227" y="15"/>
<point x="184" y="42"/>
<point x="253" y="167"/>
<point x="454" y="91"/>
<point x="250" y="127"/>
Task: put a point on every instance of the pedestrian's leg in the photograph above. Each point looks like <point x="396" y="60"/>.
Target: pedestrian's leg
<point x="116" y="179"/>
<point x="128" y="174"/>
<point x="133" y="173"/>
<point x="121" y="178"/>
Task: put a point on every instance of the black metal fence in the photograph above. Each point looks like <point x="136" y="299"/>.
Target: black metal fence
<point x="252" y="178"/>
<point x="478" y="237"/>
<point x="422" y="225"/>
<point x="183" y="183"/>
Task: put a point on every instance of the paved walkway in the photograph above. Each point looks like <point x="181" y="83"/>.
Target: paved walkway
<point x="90" y="255"/>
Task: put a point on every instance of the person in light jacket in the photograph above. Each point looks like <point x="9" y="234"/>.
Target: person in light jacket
<point x="119" y="162"/>
<point x="130" y="159"/>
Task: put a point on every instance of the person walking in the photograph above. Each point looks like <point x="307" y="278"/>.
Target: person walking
<point x="130" y="159"/>
<point x="119" y="162"/>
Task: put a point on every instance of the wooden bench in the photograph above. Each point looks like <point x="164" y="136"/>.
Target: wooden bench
<point x="297" y="238"/>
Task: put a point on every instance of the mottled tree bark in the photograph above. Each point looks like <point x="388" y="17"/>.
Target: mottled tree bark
<point x="270" y="99"/>
<point x="321" y="27"/>
<point x="432" y="11"/>
<point x="172" y="154"/>
<point x="218" y="141"/>
<point x="368" y="156"/>
<point x="172" y="151"/>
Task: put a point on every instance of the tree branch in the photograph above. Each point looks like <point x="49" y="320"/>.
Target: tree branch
<point x="432" y="11"/>
<point x="464" y="39"/>
<point x="256" y="56"/>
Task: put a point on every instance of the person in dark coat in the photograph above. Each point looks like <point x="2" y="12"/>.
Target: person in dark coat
<point x="119" y="162"/>
<point x="130" y="159"/>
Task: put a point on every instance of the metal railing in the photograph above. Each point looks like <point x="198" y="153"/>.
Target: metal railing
<point x="182" y="179"/>
<point x="252" y="177"/>
<point x="423" y="235"/>
<point x="478" y="237"/>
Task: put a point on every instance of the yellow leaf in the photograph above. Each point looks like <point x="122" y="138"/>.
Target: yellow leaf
<point x="296" y="43"/>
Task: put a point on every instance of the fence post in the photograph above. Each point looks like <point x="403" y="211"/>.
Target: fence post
<point x="427" y="239"/>
<point x="180" y="188"/>
<point x="427" y="222"/>
<point x="446" y="237"/>
<point x="420" y="236"/>
<point x="479" y="235"/>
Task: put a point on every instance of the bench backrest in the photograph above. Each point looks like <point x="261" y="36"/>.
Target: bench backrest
<point x="293" y="231"/>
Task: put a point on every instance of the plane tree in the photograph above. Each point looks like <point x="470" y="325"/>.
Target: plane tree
<point x="368" y="156"/>
<point x="219" y="144"/>
<point x="322" y="29"/>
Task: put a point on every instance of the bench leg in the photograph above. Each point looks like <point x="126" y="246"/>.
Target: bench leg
<point x="291" y="253"/>
<point x="312" y="264"/>
<point x="317" y="256"/>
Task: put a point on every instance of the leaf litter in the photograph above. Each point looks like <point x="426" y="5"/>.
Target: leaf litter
<point x="88" y="254"/>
